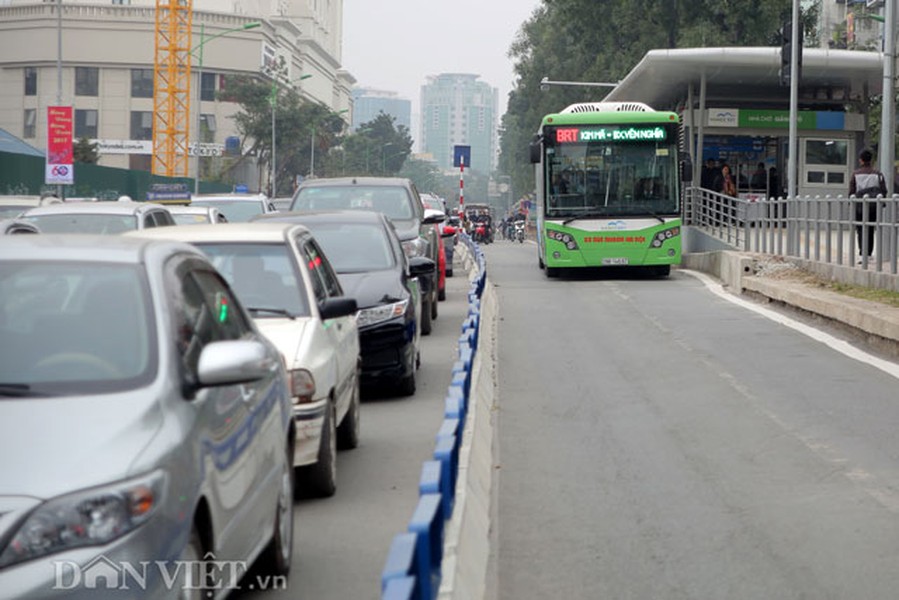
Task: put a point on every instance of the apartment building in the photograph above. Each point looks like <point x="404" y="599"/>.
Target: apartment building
<point x="457" y="109"/>
<point x="103" y="67"/>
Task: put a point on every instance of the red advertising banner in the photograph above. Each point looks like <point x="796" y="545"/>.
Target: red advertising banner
<point x="60" y="158"/>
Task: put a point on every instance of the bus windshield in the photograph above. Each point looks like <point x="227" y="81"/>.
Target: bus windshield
<point x="602" y="178"/>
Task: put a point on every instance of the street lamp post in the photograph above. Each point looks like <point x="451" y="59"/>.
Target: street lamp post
<point x="384" y="158"/>
<point x="199" y="48"/>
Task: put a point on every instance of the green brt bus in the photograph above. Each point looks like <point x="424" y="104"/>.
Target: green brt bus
<point x="608" y="187"/>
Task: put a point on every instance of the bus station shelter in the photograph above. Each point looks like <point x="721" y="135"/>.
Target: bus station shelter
<point x="735" y="110"/>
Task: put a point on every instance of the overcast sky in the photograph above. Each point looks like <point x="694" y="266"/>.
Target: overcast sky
<point x="394" y="45"/>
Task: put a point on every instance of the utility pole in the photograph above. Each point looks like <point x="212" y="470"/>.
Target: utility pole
<point x="888" y="105"/>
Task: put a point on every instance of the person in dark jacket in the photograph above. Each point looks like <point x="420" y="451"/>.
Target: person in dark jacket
<point x="866" y="181"/>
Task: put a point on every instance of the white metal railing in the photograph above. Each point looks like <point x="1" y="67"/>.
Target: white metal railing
<point x="821" y="229"/>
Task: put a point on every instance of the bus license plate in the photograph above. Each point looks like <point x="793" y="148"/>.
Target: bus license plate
<point x="615" y="261"/>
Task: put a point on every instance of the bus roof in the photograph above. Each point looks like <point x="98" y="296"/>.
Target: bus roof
<point x="608" y="117"/>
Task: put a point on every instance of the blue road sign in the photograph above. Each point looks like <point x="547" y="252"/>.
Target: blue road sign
<point x="460" y="152"/>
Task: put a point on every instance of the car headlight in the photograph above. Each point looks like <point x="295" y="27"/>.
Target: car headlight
<point x="87" y="518"/>
<point x="302" y="386"/>
<point x="377" y="314"/>
<point x="416" y="247"/>
<point x="565" y="238"/>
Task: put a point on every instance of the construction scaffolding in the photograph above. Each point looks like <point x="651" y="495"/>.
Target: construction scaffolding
<point x="171" y="87"/>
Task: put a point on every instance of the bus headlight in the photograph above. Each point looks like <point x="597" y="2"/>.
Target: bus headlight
<point x="565" y="238"/>
<point x="661" y="236"/>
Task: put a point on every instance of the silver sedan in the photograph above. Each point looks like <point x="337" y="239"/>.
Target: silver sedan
<point x="145" y="424"/>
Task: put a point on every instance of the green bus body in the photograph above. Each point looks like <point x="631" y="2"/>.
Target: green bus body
<point x="608" y="189"/>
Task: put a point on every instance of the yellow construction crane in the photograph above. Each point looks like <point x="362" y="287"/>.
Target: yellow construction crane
<point x="171" y="87"/>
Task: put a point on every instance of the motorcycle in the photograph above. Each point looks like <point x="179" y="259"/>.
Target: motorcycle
<point x="519" y="231"/>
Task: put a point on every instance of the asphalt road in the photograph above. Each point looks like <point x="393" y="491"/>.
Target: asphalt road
<point x="656" y="441"/>
<point x="341" y="543"/>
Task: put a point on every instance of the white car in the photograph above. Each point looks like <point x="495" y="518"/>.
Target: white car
<point x="236" y="207"/>
<point x="196" y="215"/>
<point x="97" y="217"/>
<point x="286" y="283"/>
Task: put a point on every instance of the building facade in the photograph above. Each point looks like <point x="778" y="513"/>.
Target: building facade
<point x="457" y="109"/>
<point x="847" y="24"/>
<point x="368" y="103"/>
<point x="106" y="67"/>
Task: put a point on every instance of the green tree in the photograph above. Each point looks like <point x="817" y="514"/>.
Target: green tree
<point x="85" y="152"/>
<point x="378" y="147"/>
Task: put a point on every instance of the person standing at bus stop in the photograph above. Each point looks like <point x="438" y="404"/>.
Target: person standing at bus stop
<point x="866" y="181"/>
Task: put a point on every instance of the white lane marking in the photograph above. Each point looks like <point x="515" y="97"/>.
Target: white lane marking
<point x="840" y="346"/>
<point x="881" y="491"/>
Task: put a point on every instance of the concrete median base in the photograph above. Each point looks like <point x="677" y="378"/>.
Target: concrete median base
<point x="467" y="541"/>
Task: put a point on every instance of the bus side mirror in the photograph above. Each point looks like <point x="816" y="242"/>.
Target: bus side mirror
<point x="686" y="171"/>
<point x="534" y="152"/>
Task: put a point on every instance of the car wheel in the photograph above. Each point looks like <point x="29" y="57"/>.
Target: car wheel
<point x="426" y="318"/>
<point x="348" y="431"/>
<point x="322" y="476"/>
<point x="275" y="559"/>
<point x="449" y="272"/>
<point x="193" y="584"/>
<point x="441" y="294"/>
<point x="434" y="307"/>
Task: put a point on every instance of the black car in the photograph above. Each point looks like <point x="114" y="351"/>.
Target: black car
<point x="366" y="252"/>
<point x="395" y="197"/>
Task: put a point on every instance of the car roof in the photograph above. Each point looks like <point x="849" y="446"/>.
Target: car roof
<point x="228" y="197"/>
<point x="344" y="181"/>
<point x="103" y="208"/>
<point x="190" y="210"/>
<point x="81" y="248"/>
<point x="324" y="216"/>
<point x="224" y="232"/>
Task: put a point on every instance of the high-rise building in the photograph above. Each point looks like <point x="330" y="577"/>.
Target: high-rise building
<point x="107" y="57"/>
<point x="459" y="110"/>
<point x="368" y="103"/>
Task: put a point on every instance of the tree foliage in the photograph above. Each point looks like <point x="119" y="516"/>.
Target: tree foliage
<point x="85" y="152"/>
<point x="310" y="138"/>
<point x="602" y="40"/>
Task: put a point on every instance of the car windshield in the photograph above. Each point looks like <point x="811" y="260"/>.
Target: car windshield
<point x="394" y="202"/>
<point x="354" y="247"/>
<point x="71" y="328"/>
<point x="83" y="223"/>
<point x="263" y="275"/>
<point x="235" y="210"/>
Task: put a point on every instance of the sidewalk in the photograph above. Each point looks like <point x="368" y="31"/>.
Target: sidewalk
<point x="782" y="280"/>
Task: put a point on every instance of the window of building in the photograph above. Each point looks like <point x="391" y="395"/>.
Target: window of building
<point x="121" y="2"/>
<point x="207" y="86"/>
<point x="141" y="83"/>
<point x="85" y="124"/>
<point x="141" y="125"/>
<point x="30" y="81"/>
<point x="30" y="129"/>
<point x="87" y="81"/>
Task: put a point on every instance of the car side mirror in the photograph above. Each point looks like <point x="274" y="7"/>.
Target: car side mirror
<point x="686" y="174"/>
<point x="419" y="266"/>
<point x="333" y="308"/>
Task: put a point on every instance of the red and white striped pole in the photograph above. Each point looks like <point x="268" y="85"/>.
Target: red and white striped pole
<point x="461" y="184"/>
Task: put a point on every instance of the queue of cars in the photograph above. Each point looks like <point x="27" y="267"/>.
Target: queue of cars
<point x="204" y="373"/>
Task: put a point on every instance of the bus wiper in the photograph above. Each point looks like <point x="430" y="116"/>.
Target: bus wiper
<point x="592" y="214"/>
<point x="651" y="212"/>
<point x="275" y="311"/>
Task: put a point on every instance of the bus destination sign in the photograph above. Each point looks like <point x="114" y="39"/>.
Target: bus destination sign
<point x="574" y="135"/>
